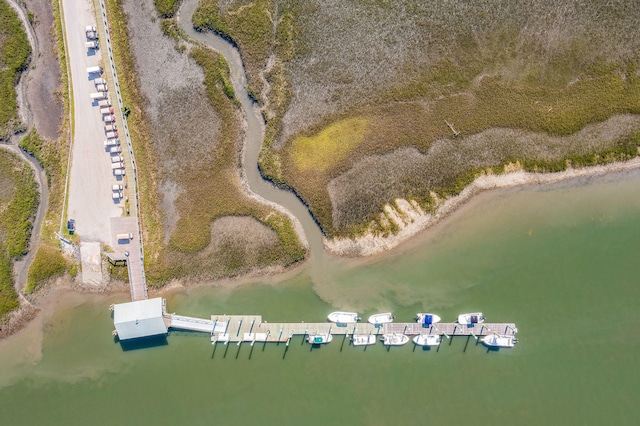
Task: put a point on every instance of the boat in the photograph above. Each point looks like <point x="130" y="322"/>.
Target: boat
<point x="381" y="318"/>
<point x="470" y="319"/>
<point x="394" y="339"/>
<point x="363" y="339"/>
<point x="343" y="317"/>
<point x="318" y="339"/>
<point x="427" y="319"/>
<point x="427" y="339"/>
<point x="499" y="341"/>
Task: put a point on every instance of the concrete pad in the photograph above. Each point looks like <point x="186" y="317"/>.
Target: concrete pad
<point x="91" y="263"/>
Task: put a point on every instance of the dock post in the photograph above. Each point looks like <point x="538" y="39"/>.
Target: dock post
<point x="405" y="329"/>
<point x="251" y="328"/>
<point x="280" y="337"/>
<point x="239" y="325"/>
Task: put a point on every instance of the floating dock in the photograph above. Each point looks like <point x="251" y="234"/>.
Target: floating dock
<point x="251" y="328"/>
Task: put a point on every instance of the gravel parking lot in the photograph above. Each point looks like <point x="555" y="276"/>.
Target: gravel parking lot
<point x="91" y="178"/>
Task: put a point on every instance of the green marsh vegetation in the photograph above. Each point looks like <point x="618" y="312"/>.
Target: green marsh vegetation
<point x="18" y="204"/>
<point x="519" y="81"/>
<point x="191" y="239"/>
<point x="15" y="53"/>
<point x="48" y="263"/>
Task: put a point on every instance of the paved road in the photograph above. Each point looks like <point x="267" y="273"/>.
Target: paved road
<point x="91" y="178"/>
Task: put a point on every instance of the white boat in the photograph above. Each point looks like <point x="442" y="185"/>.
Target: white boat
<point x="427" y="319"/>
<point x="470" y="319"/>
<point x="499" y="341"/>
<point x="343" y="317"/>
<point x="318" y="339"/>
<point x="363" y="339"/>
<point x="381" y="318"/>
<point x="427" y="339"/>
<point x="395" y="339"/>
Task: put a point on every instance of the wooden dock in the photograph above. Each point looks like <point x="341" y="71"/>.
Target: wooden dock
<point x="251" y="328"/>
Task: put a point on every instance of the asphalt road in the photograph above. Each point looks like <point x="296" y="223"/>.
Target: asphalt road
<point x="91" y="178"/>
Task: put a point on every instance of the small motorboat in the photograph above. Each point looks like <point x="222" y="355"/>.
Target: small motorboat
<point x="395" y="339"/>
<point x="343" y="317"/>
<point x="427" y="319"/>
<point x="427" y="339"/>
<point x="381" y="318"/>
<point x="363" y="339"/>
<point x="499" y="341"/>
<point x="318" y="339"/>
<point x="471" y="319"/>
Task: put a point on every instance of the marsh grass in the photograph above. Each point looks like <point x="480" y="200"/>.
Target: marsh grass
<point x="167" y="8"/>
<point x="222" y="195"/>
<point x="18" y="203"/>
<point x="48" y="263"/>
<point x="15" y="53"/>
<point x="549" y="69"/>
<point x="249" y="25"/>
<point x="207" y="188"/>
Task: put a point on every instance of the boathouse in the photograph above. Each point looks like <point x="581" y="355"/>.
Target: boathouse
<point x="141" y="318"/>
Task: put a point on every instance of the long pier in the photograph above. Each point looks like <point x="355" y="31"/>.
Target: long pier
<point x="251" y="328"/>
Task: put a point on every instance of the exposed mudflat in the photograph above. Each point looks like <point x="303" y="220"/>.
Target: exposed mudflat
<point x="43" y="81"/>
<point x="183" y="124"/>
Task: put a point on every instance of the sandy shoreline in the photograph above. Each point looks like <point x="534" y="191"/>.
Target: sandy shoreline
<point x="413" y="221"/>
<point x="367" y="245"/>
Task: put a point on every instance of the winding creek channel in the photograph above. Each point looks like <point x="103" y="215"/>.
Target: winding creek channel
<point x="254" y="134"/>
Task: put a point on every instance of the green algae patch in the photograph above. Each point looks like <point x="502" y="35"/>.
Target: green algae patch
<point x="323" y="150"/>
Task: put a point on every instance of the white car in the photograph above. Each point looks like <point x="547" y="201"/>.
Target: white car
<point x="117" y="159"/>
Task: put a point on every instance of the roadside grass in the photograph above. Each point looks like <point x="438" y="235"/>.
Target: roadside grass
<point x="150" y="218"/>
<point x="48" y="263"/>
<point x="15" y="53"/>
<point x="53" y="155"/>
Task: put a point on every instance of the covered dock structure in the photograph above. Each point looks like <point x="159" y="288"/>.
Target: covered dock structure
<point x="141" y="318"/>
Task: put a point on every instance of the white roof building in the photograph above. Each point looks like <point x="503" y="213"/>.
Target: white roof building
<point x="140" y="318"/>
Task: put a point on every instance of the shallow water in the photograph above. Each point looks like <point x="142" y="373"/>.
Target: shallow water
<point x="559" y="260"/>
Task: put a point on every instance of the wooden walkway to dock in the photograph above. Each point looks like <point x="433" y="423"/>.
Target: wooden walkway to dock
<point x="251" y="328"/>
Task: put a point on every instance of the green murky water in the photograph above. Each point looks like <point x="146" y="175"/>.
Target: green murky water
<point x="560" y="261"/>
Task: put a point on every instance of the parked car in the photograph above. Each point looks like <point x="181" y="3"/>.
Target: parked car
<point x="71" y="226"/>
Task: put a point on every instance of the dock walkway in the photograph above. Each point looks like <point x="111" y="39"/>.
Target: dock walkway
<point x="251" y="328"/>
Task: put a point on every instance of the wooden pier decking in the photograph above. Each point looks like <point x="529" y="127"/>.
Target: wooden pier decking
<point x="251" y="328"/>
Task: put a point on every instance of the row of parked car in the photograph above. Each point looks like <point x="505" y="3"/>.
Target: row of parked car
<point x="111" y="143"/>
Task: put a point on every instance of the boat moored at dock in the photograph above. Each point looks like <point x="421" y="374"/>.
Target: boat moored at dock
<point x="427" y="340"/>
<point x="427" y="319"/>
<point x="344" y="317"/>
<point x="363" y="339"/>
<point x="384" y="318"/>
<point x="471" y="319"/>
<point x="394" y="339"/>
<point x="319" y="338"/>
<point x="499" y="341"/>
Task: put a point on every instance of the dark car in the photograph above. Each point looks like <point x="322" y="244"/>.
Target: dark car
<point x="71" y="225"/>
